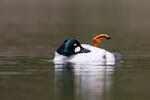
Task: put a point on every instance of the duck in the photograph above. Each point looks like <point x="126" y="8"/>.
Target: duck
<point x="72" y="51"/>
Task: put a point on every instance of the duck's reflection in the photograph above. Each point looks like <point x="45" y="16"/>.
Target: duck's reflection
<point x="82" y="82"/>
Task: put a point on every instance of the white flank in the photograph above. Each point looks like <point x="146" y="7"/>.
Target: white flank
<point x="96" y="56"/>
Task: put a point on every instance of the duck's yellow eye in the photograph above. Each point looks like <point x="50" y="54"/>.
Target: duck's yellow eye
<point x="75" y="44"/>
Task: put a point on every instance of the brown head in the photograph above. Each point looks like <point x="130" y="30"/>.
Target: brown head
<point x="99" y="38"/>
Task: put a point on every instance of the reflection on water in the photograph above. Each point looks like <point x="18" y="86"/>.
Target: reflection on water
<point x="23" y="78"/>
<point x="85" y="82"/>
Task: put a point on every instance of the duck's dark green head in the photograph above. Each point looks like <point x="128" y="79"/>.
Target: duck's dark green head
<point x="70" y="47"/>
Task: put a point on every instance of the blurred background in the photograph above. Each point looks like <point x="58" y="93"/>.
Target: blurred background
<point x="32" y="30"/>
<point x="38" y="27"/>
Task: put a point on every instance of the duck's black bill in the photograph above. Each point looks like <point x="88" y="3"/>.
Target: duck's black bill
<point x="83" y="50"/>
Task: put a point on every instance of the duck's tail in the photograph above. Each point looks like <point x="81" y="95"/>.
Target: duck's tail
<point x="117" y="54"/>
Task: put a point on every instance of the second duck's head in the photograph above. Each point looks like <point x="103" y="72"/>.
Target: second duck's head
<point x="71" y="46"/>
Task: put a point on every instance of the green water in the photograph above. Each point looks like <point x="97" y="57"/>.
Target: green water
<point x="25" y="78"/>
<point x="30" y="33"/>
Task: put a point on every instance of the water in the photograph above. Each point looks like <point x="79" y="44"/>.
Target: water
<point x="32" y="31"/>
<point x="34" y="77"/>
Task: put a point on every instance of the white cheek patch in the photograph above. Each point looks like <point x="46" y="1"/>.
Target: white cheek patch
<point x="77" y="49"/>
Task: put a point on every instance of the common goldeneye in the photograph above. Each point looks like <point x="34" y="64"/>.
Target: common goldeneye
<point x="72" y="51"/>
